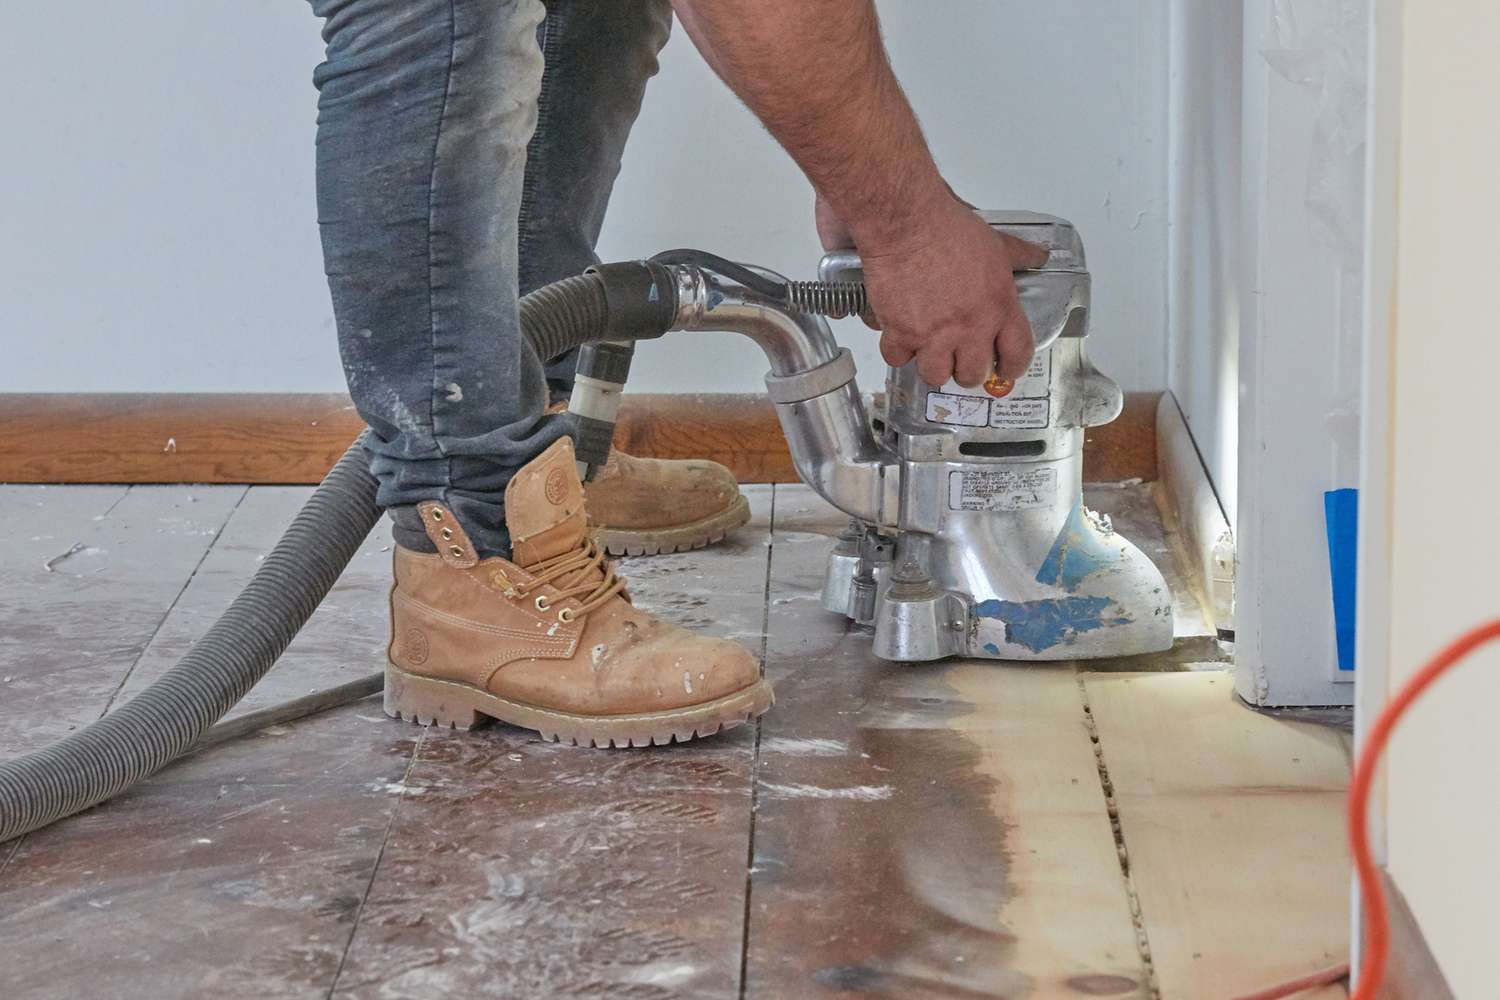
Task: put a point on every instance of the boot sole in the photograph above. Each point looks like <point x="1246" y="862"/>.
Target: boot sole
<point x="678" y="538"/>
<point x="453" y="705"/>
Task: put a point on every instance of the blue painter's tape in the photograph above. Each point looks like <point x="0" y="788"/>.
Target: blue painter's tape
<point x="1078" y="553"/>
<point x="1040" y="625"/>
<point x="1341" y="521"/>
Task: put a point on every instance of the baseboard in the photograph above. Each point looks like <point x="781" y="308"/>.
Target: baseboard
<point x="1193" y="509"/>
<point x="293" y="438"/>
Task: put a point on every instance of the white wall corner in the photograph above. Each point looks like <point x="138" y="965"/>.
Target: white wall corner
<point x="1301" y="309"/>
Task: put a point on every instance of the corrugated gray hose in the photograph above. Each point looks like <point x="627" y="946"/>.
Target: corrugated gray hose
<point x="166" y="719"/>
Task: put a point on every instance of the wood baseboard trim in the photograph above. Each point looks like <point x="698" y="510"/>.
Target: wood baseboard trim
<point x="293" y="438"/>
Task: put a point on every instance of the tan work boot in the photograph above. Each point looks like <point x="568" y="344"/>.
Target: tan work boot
<point x="651" y="506"/>
<point x="550" y="640"/>
<point x="646" y="506"/>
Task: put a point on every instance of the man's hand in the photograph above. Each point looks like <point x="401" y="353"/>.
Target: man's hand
<point x="816" y="73"/>
<point x="945" y="295"/>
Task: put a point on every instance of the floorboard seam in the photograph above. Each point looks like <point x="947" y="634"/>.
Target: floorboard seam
<point x="15" y="848"/>
<point x="765" y="650"/>
<point x="1133" y="899"/>
<point x="390" y="824"/>
<point x="121" y="499"/>
<point x="16" y="844"/>
<point x="218" y="533"/>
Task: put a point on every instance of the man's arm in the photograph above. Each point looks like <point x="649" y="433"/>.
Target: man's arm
<point x="816" y="74"/>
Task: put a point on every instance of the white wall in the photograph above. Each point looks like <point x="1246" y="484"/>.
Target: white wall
<point x="158" y="227"/>
<point x="1203" y="231"/>
<point x="158" y="230"/>
<point x="1442" y="803"/>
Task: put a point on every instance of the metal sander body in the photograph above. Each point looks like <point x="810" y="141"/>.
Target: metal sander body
<point x="968" y="534"/>
<point x="992" y="553"/>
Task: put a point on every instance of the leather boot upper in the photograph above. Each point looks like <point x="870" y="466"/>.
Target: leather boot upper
<point x="552" y="627"/>
<point x="631" y="493"/>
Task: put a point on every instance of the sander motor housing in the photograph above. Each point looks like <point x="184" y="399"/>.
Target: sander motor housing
<point x="993" y="553"/>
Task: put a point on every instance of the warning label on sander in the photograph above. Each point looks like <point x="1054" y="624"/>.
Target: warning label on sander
<point x="1002" y="489"/>
<point x="1021" y="414"/>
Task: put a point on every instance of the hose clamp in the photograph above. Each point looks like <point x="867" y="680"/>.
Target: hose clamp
<point x="813" y="383"/>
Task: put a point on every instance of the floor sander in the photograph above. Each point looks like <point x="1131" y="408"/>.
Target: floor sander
<point x="967" y="533"/>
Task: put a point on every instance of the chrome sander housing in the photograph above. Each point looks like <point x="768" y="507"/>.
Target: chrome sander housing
<point x="968" y="534"/>
<point x="993" y="553"/>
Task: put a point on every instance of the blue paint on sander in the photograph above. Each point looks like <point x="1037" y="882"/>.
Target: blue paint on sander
<point x="1078" y="553"/>
<point x="1040" y="625"/>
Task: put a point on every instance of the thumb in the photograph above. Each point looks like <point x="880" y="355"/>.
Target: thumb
<point x="1024" y="254"/>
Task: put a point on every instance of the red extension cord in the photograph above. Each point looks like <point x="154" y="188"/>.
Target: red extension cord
<point x="1377" y="921"/>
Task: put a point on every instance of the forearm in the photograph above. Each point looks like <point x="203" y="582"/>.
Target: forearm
<point x="815" y="72"/>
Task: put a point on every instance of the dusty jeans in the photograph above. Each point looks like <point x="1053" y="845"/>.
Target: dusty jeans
<point x="466" y="149"/>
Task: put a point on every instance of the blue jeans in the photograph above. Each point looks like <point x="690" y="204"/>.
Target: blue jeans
<point x="465" y="154"/>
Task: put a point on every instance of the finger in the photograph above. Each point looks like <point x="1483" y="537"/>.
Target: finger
<point x="895" y="353"/>
<point x="975" y="362"/>
<point x="1023" y="253"/>
<point x="1015" y="347"/>
<point x="935" y="365"/>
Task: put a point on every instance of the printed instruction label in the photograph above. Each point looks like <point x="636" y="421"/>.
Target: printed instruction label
<point x="1020" y="414"/>
<point x="1027" y="406"/>
<point x="1002" y="489"/>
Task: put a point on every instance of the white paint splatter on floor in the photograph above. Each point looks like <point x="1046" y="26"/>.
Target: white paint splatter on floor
<point x="811" y="747"/>
<point x="857" y="793"/>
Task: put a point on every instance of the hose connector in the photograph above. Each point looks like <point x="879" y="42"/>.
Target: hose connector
<point x="640" y="299"/>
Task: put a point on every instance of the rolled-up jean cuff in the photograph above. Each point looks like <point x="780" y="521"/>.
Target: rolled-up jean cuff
<point x="471" y="486"/>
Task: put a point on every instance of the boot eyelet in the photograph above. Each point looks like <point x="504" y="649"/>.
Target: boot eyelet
<point x="542" y="604"/>
<point x="566" y="615"/>
<point x="456" y="551"/>
<point x="447" y="534"/>
<point x="437" y="514"/>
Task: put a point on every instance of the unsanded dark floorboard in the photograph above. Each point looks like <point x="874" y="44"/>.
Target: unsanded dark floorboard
<point x="886" y="831"/>
<point x="517" y="868"/>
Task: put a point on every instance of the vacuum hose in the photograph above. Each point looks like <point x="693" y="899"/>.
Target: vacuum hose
<point x="612" y="302"/>
<point x="166" y="719"/>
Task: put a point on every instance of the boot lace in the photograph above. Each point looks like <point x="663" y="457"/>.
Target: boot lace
<point x="583" y="571"/>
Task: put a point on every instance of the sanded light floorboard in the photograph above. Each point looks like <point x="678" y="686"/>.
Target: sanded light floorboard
<point x="922" y="831"/>
<point x="1234" y="827"/>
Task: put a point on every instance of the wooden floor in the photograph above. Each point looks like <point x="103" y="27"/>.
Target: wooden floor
<point x="962" y="829"/>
